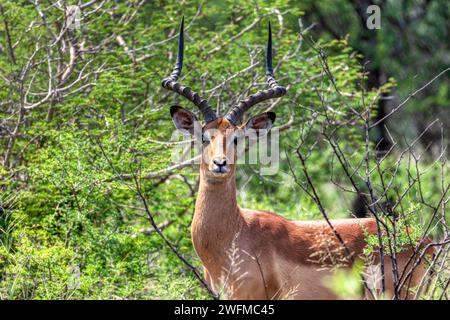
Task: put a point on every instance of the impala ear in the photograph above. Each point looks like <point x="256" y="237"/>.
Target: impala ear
<point x="259" y="125"/>
<point x="183" y="119"/>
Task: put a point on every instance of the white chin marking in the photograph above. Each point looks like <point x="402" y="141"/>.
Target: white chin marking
<point x="218" y="174"/>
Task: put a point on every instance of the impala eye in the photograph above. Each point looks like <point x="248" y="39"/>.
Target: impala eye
<point x="237" y="135"/>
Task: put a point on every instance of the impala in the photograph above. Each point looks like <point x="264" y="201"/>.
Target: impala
<point x="252" y="254"/>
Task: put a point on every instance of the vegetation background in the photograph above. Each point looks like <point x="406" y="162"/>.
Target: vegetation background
<point x="82" y="113"/>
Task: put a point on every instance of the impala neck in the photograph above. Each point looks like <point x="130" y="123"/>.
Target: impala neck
<point x="217" y="217"/>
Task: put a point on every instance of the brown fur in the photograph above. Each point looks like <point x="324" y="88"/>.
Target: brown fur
<point x="250" y="254"/>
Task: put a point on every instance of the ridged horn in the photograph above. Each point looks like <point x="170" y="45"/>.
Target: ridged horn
<point x="275" y="91"/>
<point x="170" y="83"/>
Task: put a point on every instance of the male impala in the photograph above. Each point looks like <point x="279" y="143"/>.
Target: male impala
<point x="249" y="254"/>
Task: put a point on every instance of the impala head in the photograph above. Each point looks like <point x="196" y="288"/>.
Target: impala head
<point x="219" y="134"/>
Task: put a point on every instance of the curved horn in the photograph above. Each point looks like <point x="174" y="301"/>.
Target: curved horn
<point x="171" y="83"/>
<point x="275" y="91"/>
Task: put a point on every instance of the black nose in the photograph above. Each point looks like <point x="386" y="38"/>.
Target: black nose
<point x="220" y="163"/>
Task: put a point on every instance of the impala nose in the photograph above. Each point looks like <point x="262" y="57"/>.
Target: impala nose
<point x="220" y="164"/>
